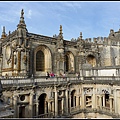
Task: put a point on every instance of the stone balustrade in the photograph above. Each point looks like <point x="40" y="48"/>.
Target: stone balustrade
<point x="59" y="80"/>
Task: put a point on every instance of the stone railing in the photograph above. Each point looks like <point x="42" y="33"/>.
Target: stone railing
<point x="103" y="110"/>
<point x="77" y="110"/>
<point x="13" y="82"/>
<point x="100" y="78"/>
<point x="36" y="81"/>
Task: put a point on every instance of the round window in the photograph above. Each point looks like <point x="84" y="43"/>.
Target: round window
<point x="22" y="97"/>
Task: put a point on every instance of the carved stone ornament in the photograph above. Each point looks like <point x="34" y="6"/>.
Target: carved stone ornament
<point x="8" y="52"/>
<point x="25" y="59"/>
<point x="60" y="50"/>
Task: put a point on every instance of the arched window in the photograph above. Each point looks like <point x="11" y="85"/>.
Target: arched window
<point x="91" y="60"/>
<point x="69" y="62"/>
<point x="40" y="62"/>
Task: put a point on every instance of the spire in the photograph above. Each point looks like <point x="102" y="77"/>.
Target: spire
<point x="61" y="29"/>
<point x="60" y="34"/>
<point x="3" y="33"/>
<point x="22" y="17"/>
<point x="21" y="27"/>
<point x="80" y="38"/>
<point x="21" y="22"/>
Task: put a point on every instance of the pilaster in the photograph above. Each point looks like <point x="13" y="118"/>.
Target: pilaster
<point x="31" y="104"/>
<point x="15" y="106"/>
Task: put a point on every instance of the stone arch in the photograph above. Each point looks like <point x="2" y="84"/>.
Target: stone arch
<point x="69" y="60"/>
<point x="91" y="60"/>
<point x="43" y="104"/>
<point x="46" y="59"/>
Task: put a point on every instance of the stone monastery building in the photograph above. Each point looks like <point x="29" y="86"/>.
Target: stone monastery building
<point x="26" y="57"/>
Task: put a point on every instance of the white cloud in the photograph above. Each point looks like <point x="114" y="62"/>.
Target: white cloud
<point x="72" y="4"/>
<point x="29" y="14"/>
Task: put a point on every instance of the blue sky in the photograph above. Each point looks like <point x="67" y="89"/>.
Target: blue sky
<point x="93" y="19"/>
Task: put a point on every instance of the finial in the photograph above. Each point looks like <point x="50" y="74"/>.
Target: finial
<point x="80" y="35"/>
<point x="60" y="29"/>
<point x="22" y="12"/>
<point x="21" y="22"/>
<point x="3" y="32"/>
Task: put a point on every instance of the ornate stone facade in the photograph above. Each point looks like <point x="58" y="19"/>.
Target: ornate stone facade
<point x="26" y="57"/>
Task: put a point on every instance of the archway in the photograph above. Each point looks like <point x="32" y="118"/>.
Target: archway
<point x="43" y="104"/>
<point x="69" y="62"/>
<point x="73" y="99"/>
<point x="107" y="104"/>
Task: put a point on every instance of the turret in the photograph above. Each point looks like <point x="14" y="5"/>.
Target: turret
<point x="3" y="33"/>
<point x="79" y="41"/>
<point x="60" y="39"/>
<point x="79" y="38"/>
<point x="21" y="29"/>
<point x="60" y="36"/>
<point x="22" y="22"/>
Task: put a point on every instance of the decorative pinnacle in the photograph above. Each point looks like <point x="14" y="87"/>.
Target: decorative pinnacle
<point x="21" y="22"/>
<point x="3" y="32"/>
<point x="22" y="17"/>
<point x="80" y="35"/>
<point x="22" y="12"/>
<point x="60" y="29"/>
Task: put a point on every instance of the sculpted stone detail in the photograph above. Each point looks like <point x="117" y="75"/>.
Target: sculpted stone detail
<point x="24" y="59"/>
<point x="19" y="60"/>
<point x="96" y="60"/>
<point x="88" y="90"/>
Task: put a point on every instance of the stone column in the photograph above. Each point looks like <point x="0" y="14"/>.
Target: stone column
<point x="94" y="98"/>
<point x="37" y="107"/>
<point x="77" y="101"/>
<point x="78" y="105"/>
<point x="83" y="99"/>
<point x="31" y="104"/>
<point x="66" y="102"/>
<point x="69" y="101"/>
<point x="110" y="104"/>
<point x="104" y="100"/>
<point x="115" y="100"/>
<point x="45" y="109"/>
<point x="49" y="107"/>
<point x="15" y="106"/>
<point x="56" y="103"/>
<point x="63" y="106"/>
<point x="100" y="101"/>
<point x="53" y="106"/>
